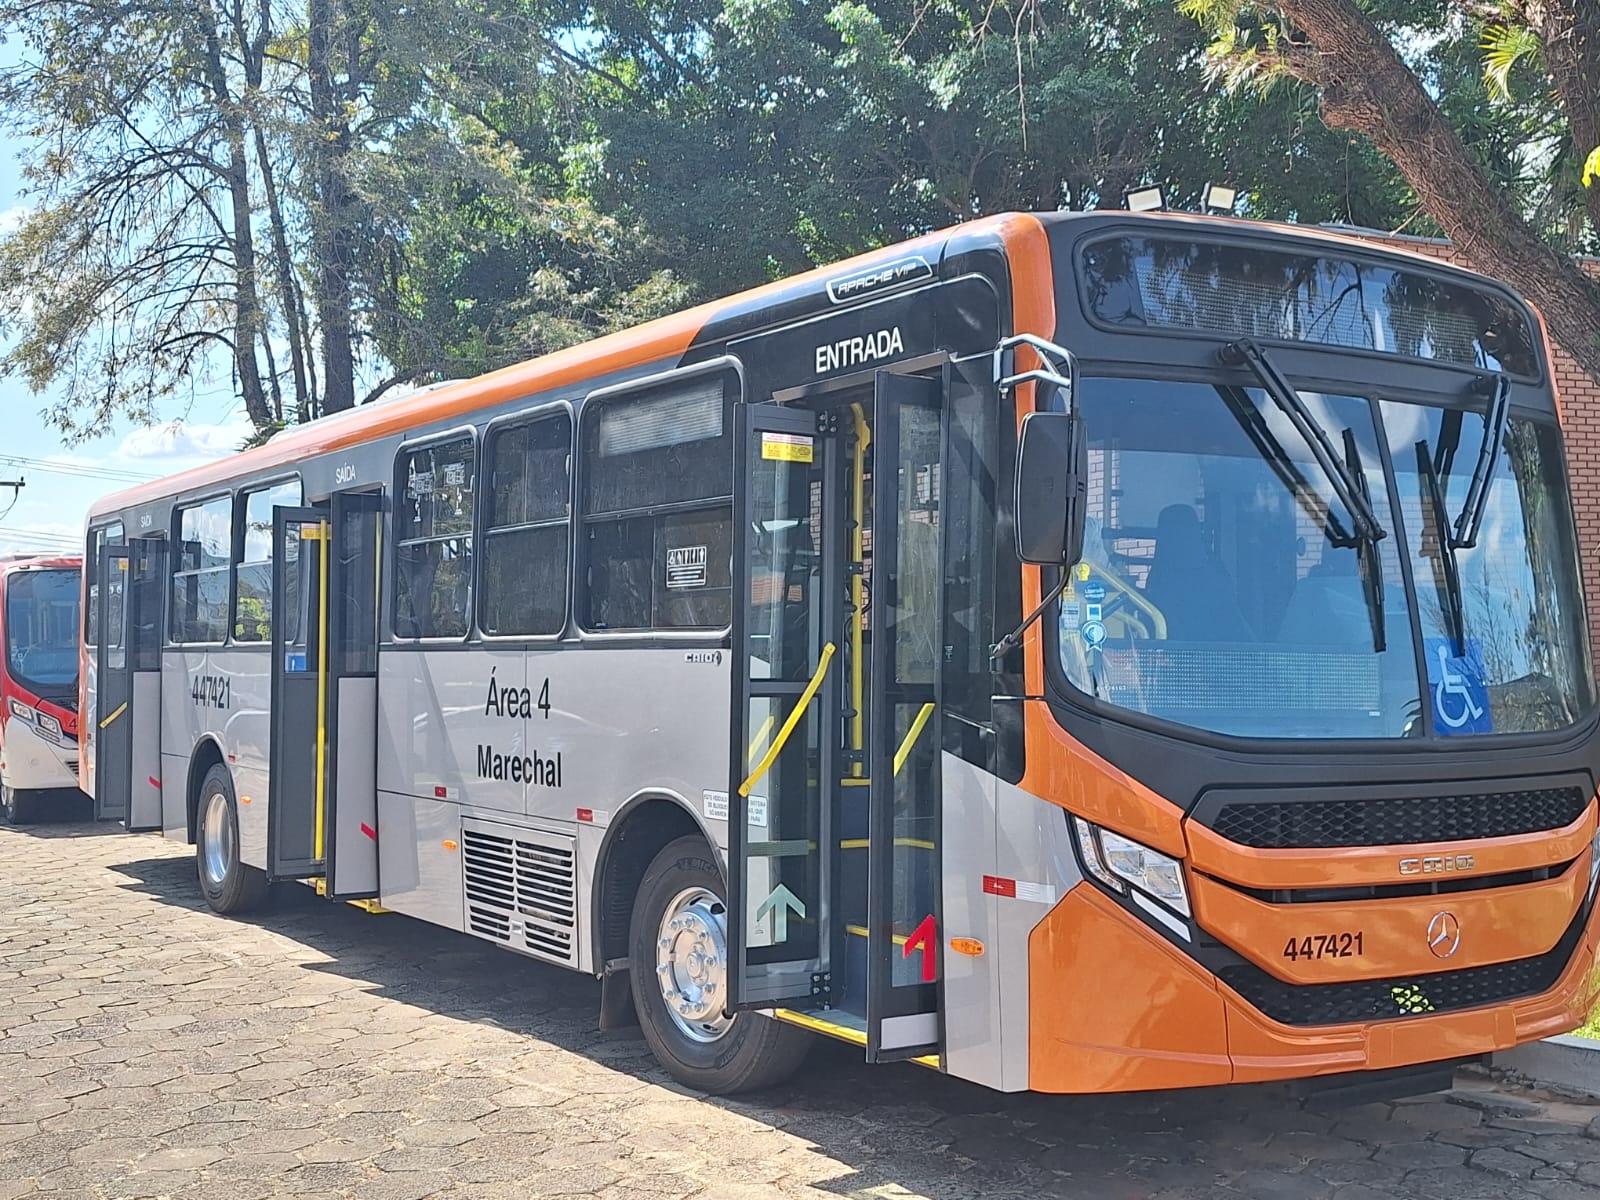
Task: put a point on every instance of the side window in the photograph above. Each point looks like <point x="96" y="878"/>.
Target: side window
<point x="433" y="534"/>
<point x="658" y="508"/>
<point x="202" y="568"/>
<point x="524" y="569"/>
<point x="99" y="538"/>
<point x="252" y="612"/>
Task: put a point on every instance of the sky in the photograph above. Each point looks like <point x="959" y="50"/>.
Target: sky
<point x="62" y="481"/>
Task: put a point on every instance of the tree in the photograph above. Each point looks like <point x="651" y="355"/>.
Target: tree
<point x="137" y="263"/>
<point x="1353" y="57"/>
<point x="812" y="131"/>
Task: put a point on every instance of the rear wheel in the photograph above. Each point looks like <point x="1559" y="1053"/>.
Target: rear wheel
<point x="226" y="883"/>
<point x="679" y="963"/>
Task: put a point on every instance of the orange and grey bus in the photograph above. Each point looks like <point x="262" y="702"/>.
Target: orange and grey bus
<point x="1080" y="652"/>
<point x="38" y="684"/>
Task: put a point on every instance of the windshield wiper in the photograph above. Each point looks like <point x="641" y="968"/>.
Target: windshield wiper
<point x="1283" y="394"/>
<point x="1447" y="571"/>
<point x="1369" y="561"/>
<point x="1495" y="418"/>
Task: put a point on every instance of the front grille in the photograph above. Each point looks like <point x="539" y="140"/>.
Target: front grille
<point x="1297" y="824"/>
<point x="1403" y="996"/>
<point x="73" y="767"/>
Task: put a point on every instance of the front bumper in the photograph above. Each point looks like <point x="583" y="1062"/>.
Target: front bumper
<point x="1114" y="1006"/>
<point x="29" y="762"/>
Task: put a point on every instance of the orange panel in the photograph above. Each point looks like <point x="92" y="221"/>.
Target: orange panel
<point x="1113" y="1008"/>
<point x="1265" y="1050"/>
<point x="1353" y="865"/>
<point x="1496" y="925"/>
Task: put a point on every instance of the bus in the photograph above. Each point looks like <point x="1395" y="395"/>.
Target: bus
<point x="38" y="685"/>
<point x="1071" y="652"/>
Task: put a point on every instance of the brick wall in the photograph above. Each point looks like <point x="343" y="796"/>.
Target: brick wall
<point x="1580" y="407"/>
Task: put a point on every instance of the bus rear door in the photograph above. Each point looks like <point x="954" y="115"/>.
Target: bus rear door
<point x="322" y="797"/>
<point x="127" y="712"/>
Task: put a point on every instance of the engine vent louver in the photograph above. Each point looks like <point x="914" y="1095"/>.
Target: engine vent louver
<point x="521" y="889"/>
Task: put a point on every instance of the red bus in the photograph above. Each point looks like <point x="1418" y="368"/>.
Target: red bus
<point x="38" y="685"/>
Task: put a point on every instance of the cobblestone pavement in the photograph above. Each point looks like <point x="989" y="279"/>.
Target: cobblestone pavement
<point x="149" y="1048"/>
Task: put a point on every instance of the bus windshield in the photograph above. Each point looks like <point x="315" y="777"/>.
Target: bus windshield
<point x="1224" y="586"/>
<point x="41" y="628"/>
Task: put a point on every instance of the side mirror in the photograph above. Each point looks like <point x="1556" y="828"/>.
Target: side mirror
<point x="1052" y="488"/>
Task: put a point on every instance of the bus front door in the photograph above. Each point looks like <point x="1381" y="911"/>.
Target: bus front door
<point x="296" y="796"/>
<point x="834" y="778"/>
<point x="786" y="671"/>
<point x="127" y="714"/>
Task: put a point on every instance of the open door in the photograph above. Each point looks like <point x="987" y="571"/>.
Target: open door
<point x="128" y="685"/>
<point x="296" y="787"/>
<point x="113" y="688"/>
<point x="903" y="893"/>
<point x="786" y="699"/>
<point x="355" y="525"/>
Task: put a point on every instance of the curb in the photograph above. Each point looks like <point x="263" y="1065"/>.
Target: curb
<point x="1567" y="1062"/>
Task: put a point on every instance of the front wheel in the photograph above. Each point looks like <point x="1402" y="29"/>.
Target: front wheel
<point x="17" y="807"/>
<point x="226" y="883"/>
<point x="679" y="963"/>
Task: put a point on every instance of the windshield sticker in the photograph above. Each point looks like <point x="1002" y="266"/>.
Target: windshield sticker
<point x="686" y="567"/>
<point x="1458" y="684"/>
<point x="1094" y="632"/>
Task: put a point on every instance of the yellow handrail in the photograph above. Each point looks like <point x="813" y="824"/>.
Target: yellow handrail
<point x="323" y="535"/>
<point x="778" y="742"/>
<point x="910" y="740"/>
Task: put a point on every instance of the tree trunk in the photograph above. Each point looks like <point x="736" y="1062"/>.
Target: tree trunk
<point x="1368" y="89"/>
<point x="1569" y="37"/>
<point x="247" y="300"/>
<point x="331" y="215"/>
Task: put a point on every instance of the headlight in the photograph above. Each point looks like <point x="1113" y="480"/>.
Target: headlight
<point x="25" y="711"/>
<point x="1121" y="863"/>
<point x="49" y="724"/>
<point x="1594" y="862"/>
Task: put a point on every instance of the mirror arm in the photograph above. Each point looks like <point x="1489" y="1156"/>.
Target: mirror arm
<point x="1014" y="639"/>
<point x="1057" y="366"/>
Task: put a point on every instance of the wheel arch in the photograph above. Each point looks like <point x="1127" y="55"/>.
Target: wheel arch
<point x="207" y="753"/>
<point x="645" y="823"/>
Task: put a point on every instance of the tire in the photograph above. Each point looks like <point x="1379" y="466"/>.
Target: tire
<point x="703" y="1049"/>
<point x="226" y="883"/>
<point x="18" y="807"/>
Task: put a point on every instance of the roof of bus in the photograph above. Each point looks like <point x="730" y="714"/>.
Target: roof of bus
<point x="9" y="562"/>
<point x="638" y="346"/>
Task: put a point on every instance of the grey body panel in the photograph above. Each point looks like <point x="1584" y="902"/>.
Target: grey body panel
<point x="240" y="729"/>
<point x="353" y="857"/>
<point x="996" y="828"/>
<point x="144" y="797"/>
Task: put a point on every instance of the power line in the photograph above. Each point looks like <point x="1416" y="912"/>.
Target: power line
<point x="78" y="470"/>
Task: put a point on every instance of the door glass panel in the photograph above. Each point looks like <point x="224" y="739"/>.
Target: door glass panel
<point x="785" y="503"/>
<point x="914" y="782"/>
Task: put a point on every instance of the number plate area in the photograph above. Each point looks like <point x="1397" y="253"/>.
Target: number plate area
<point x="1391" y="936"/>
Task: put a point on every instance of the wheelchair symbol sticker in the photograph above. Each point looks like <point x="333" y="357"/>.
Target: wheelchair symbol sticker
<point x="1459" y="689"/>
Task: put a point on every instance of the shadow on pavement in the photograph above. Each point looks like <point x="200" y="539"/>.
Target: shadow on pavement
<point x="891" y="1125"/>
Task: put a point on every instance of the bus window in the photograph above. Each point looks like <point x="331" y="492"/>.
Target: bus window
<point x="658" y="510"/>
<point x="41" y="630"/>
<point x="99" y="539"/>
<point x="252" y="616"/>
<point x="524" y="586"/>
<point x="202" y="569"/>
<point x="433" y="528"/>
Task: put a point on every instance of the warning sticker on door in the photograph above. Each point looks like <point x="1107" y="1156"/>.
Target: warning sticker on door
<point x="686" y="566"/>
<point x="786" y="447"/>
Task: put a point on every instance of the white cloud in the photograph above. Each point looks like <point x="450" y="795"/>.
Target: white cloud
<point x="184" y="440"/>
<point x="11" y="219"/>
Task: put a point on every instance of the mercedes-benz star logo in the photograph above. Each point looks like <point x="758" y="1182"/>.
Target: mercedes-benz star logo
<point x="1444" y="934"/>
